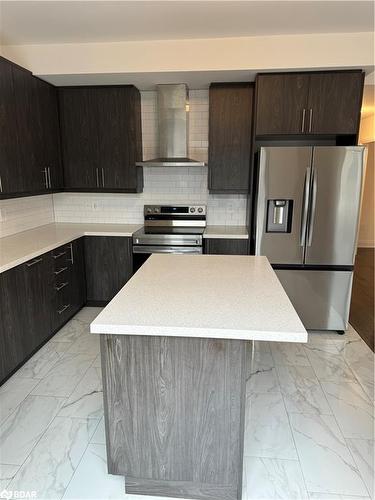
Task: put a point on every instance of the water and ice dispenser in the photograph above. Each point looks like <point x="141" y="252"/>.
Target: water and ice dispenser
<point x="279" y="216"/>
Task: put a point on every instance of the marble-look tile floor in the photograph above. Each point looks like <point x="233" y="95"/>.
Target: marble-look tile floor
<point x="309" y="420"/>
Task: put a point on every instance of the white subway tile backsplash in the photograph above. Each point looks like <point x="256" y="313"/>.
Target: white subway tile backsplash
<point x="20" y="214"/>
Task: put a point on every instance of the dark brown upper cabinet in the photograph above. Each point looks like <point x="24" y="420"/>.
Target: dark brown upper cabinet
<point x="11" y="179"/>
<point x="318" y="103"/>
<point x="29" y="131"/>
<point x="46" y="124"/>
<point x="230" y="137"/>
<point x="101" y="138"/>
<point x="281" y="101"/>
<point x="335" y="100"/>
<point x="79" y="138"/>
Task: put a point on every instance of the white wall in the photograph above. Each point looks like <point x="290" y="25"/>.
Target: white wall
<point x="20" y="214"/>
<point x="258" y="53"/>
<point x="366" y="237"/>
<point x="161" y="185"/>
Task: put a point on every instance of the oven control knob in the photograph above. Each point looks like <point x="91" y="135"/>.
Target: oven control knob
<point x="149" y="210"/>
<point x="200" y="210"/>
<point x="192" y="210"/>
<point x="156" y="210"/>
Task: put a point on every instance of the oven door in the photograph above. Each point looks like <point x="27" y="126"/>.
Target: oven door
<point x="142" y="252"/>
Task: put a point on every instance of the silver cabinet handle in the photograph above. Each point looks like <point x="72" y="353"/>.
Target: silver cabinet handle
<point x="49" y="178"/>
<point x="60" y="271"/>
<point x="60" y="287"/>
<point x="313" y="206"/>
<point x="71" y="253"/>
<point x="102" y="177"/>
<point x="44" y="171"/>
<point x="303" y="120"/>
<point x="310" y="119"/>
<point x="58" y="255"/>
<point x="1" y="185"/>
<point x="63" y="309"/>
<point x="305" y="207"/>
<point x="97" y="177"/>
<point x="32" y="263"/>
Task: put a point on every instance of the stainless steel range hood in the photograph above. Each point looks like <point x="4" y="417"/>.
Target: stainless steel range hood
<point x="173" y="122"/>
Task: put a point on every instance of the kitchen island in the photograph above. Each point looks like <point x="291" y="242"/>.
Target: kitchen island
<point x="173" y="347"/>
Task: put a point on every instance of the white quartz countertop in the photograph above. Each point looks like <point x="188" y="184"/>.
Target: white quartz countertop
<point x="214" y="296"/>
<point x="230" y="232"/>
<point x="21" y="247"/>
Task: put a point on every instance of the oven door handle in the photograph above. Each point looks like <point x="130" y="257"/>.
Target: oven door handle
<point x="167" y="249"/>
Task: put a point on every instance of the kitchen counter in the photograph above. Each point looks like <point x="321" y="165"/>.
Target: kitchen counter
<point x="21" y="247"/>
<point x="230" y="232"/>
<point x="214" y="296"/>
<point x="174" y="359"/>
<point x="26" y="245"/>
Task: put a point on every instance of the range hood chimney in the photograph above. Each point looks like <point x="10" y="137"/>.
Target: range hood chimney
<point x="173" y="122"/>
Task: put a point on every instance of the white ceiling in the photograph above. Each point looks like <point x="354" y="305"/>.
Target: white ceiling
<point x="59" y="21"/>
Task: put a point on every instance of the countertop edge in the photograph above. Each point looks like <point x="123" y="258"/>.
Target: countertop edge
<point x="221" y="236"/>
<point x="226" y="232"/>
<point x="156" y="331"/>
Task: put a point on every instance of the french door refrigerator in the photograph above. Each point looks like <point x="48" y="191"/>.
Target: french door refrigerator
<point x="307" y="216"/>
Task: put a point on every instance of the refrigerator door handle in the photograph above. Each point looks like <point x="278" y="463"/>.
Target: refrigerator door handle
<point x="305" y="206"/>
<point x="313" y="207"/>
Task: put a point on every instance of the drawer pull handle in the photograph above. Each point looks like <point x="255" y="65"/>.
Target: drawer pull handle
<point x="63" y="285"/>
<point x="60" y="270"/>
<point x="59" y="255"/>
<point x="71" y="253"/>
<point x="63" y="309"/>
<point x="30" y="264"/>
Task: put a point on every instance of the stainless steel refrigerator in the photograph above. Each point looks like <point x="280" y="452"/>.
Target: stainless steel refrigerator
<point x="307" y="216"/>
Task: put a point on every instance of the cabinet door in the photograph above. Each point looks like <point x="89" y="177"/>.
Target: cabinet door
<point x="13" y="323"/>
<point x="335" y="102"/>
<point x="108" y="266"/>
<point x="25" y="303"/>
<point x="118" y="131"/>
<point x="37" y="284"/>
<point x="79" y="138"/>
<point x="29" y="131"/>
<point x="11" y="175"/>
<point x="281" y="101"/>
<point x="226" y="246"/>
<point x="230" y="123"/>
<point x="49" y="132"/>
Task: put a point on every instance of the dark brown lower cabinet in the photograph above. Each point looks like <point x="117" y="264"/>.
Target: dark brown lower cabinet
<point x="108" y="262"/>
<point x="69" y="284"/>
<point x="226" y="246"/>
<point x="36" y="299"/>
<point x="12" y="322"/>
<point x="25" y="311"/>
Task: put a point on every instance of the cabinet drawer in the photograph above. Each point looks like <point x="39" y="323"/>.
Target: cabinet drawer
<point x="226" y="246"/>
<point x="62" y="304"/>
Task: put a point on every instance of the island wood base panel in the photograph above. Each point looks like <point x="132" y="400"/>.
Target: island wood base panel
<point x="174" y="412"/>
<point x="180" y="489"/>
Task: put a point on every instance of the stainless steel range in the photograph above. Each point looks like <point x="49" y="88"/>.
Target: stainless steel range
<point x="169" y="229"/>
